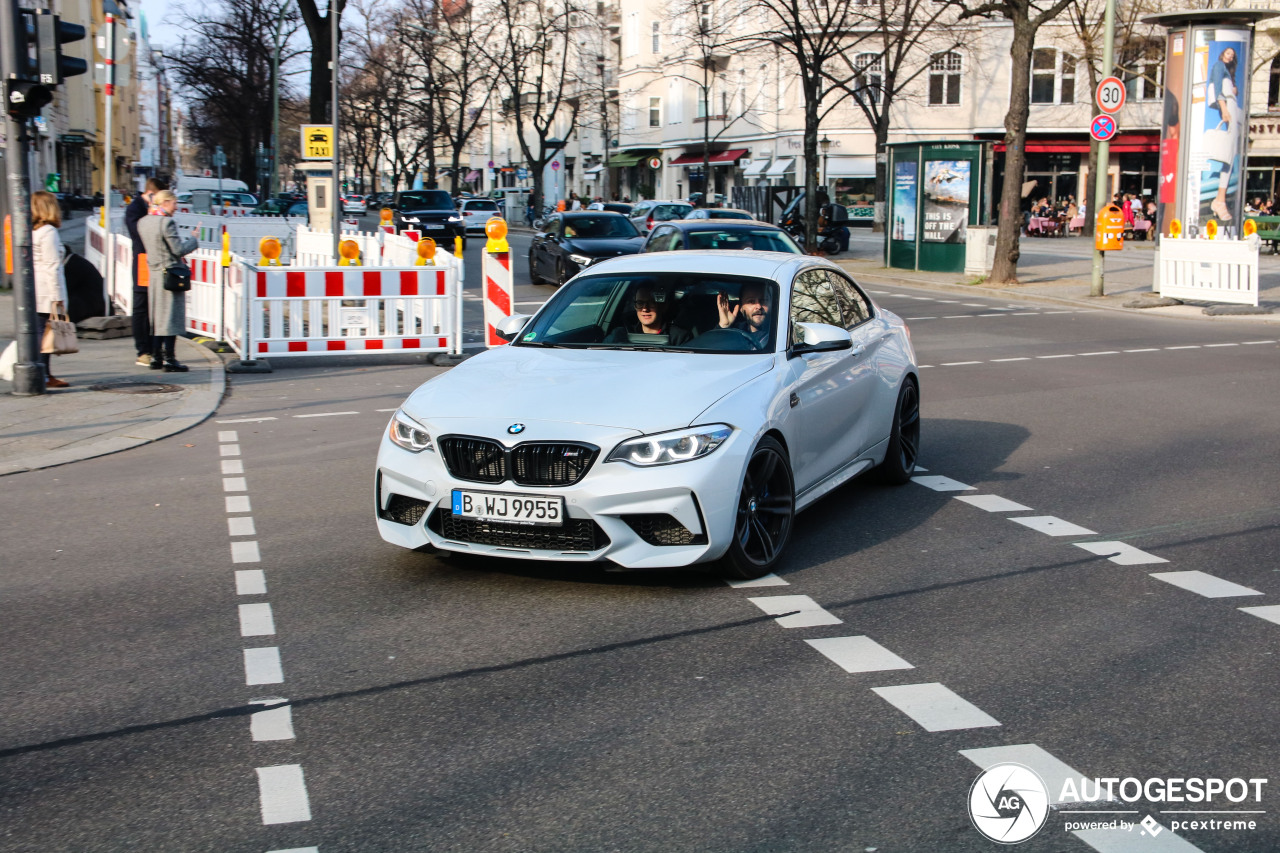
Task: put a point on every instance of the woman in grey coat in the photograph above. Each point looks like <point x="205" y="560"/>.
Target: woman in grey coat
<point x="165" y="249"/>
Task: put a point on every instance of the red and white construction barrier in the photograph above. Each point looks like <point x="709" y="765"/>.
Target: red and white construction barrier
<point x="499" y="294"/>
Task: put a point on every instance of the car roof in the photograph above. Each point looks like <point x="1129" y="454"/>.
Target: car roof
<point x="593" y="214"/>
<point x="717" y="225"/>
<point x="739" y="262"/>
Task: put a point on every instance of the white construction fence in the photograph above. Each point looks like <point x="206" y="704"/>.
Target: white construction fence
<point x="1209" y="270"/>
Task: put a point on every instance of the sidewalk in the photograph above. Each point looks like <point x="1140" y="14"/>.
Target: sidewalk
<point x="112" y="404"/>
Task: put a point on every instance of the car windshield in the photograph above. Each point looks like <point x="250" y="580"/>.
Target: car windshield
<point x="481" y="205"/>
<point x="615" y="227"/>
<point x="761" y="239"/>
<point x="728" y="214"/>
<point x="665" y="212"/>
<point x="682" y="312"/>
<point x="426" y="200"/>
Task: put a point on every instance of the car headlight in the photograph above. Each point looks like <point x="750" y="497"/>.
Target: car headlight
<point x="666" y="448"/>
<point x="411" y="219"/>
<point x="408" y="433"/>
<point x="455" y="218"/>
<point x="581" y="260"/>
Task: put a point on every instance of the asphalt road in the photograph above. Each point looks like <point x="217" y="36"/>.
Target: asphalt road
<point x="478" y="705"/>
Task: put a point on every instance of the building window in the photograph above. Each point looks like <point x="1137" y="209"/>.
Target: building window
<point x="655" y="43"/>
<point x="631" y="35"/>
<point x="869" y="82"/>
<point x="1053" y="77"/>
<point x="655" y="112"/>
<point x="1144" y="70"/>
<point x="944" y="79"/>
<point x="675" y="101"/>
<point x="1273" y="87"/>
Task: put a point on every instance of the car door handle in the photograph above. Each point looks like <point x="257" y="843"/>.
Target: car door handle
<point x="795" y="399"/>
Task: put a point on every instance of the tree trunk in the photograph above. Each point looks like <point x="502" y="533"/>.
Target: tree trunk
<point x="811" y="127"/>
<point x="882" y="178"/>
<point x="1005" y="267"/>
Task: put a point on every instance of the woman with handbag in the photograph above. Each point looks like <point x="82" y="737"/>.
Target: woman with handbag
<point x="51" y="283"/>
<point x="168" y="307"/>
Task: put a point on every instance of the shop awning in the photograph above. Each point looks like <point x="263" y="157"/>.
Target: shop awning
<point x="780" y="167"/>
<point x="756" y="168"/>
<point x="851" y="167"/>
<point x="630" y="158"/>
<point x="717" y="157"/>
<point x="1124" y="143"/>
<point x="592" y="171"/>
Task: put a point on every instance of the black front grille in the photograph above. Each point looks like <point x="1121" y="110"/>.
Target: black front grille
<point x="403" y="510"/>
<point x="534" y="463"/>
<point x="477" y="459"/>
<point x="577" y="534"/>
<point x="663" y="529"/>
<point x="558" y="464"/>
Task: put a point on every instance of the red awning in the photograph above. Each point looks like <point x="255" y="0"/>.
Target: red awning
<point x="1125" y="143"/>
<point x="717" y="157"/>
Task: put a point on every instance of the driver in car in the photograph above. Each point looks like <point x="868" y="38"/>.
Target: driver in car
<point x="750" y="315"/>
<point x="650" y="319"/>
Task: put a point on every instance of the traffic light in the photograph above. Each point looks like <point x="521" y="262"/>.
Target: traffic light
<point x="51" y="34"/>
<point x="25" y="99"/>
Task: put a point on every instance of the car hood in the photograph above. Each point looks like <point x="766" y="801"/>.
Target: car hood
<point x="604" y="247"/>
<point x="644" y="391"/>
<point x="429" y="213"/>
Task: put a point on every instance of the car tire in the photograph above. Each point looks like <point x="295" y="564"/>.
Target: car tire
<point x="904" y="440"/>
<point x="534" y="278"/>
<point x="765" y="515"/>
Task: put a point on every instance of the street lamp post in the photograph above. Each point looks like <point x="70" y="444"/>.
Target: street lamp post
<point x="825" y="145"/>
<point x="335" y="14"/>
<point x="275" y="107"/>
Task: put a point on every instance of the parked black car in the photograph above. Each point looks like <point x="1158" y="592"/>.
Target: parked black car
<point x="431" y="212"/>
<point x="719" y="234"/>
<point x="280" y="207"/>
<point x="570" y="242"/>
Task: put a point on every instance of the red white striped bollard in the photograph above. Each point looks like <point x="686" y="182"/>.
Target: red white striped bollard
<point x="499" y="281"/>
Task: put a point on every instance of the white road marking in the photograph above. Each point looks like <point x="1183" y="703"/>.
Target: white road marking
<point x="1102" y="352"/>
<point x="326" y="414"/>
<point x="245" y="552"/>
<point x="1191" y="346"/>
<point x="942" y="484"/>
<point x="811" y="613"/>
<point x="227" y="435"/>
<point x="1271" y="612"/>
<point x="1024" y="314"/>
<point x="858" y="654"/>
<point x="957" y="317"/>
<point x="256" y="620"/>
<point x="1120" y="553"/>
<point x="1254" y="343"/>
<point x="935" y="707"/>
<point x="993" y="503"/>
<point x="275" y="723"/>
<point x="1054" y="772"/>
<point x="921" y="318"/>
<point x="237" y="503"/>
<point x="974" y="304"/>
<point x="993" y="315"/>
<point x="262" y="666"/>
<point x="1052" y="526"/>
<point x="251" y="582"/>
<point x="240" y="525"/>
<point x="246" y="420"/>
<point x="1221" y="345"/>
<point x="1204" y="584"/>
<point x="959" y="363"/>
<point x="232" y="466"/>
<point x="381" y="410"/>
<point x="768" y="580"/>
<point x="949" y="301"/>
<point x="1120" y="841"/>
<point x="297" y="849"/>
<point x="283" y="793"/>
<point x="1148" y="349"/>
<point x="229" y="450"/>
<point x="1068" y="355"/>
<point x="1002" y="360"/>
<point x="234" y="484"/>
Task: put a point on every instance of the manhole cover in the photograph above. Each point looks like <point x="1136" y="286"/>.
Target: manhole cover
<point x="136" y="388"/>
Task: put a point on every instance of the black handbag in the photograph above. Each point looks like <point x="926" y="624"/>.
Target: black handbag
<point x="177" y="278"/>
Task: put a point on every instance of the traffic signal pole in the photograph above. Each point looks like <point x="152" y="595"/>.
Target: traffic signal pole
<point x="1101" y="196"/>
<point x="28" y="371"/>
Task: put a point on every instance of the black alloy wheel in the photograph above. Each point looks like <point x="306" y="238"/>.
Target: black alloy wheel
<point x="904" y="441"/>
<point x="534" y="278"/>
<point x="766" y="510"/>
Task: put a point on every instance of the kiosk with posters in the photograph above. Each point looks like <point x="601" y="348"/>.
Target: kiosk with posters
<point x="936" y="190"/>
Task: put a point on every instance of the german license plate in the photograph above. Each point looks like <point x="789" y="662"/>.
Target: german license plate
<point x="513" y="509"/>
<point x="433" y="227"/>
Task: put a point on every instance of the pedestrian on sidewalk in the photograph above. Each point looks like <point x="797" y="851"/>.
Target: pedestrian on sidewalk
<point x="51" y="282"/>
<point x="133" y="214"/>
<point x="168" y="309"/>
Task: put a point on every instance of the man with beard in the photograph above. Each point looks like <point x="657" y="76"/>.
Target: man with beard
<point x="750" y="315"/>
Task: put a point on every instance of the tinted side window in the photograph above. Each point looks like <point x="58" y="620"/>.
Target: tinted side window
<point x="813" y="300"/>
<point x="857" y="308"/>
<point x="658" y="240"/>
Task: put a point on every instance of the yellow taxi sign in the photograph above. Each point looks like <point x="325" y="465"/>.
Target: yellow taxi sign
<point x="317" y="142"/>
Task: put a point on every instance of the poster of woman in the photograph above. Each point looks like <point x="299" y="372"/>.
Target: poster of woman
<point x="1218" y="125"/>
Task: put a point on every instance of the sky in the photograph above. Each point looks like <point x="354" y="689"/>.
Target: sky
<point x="162" y="34"/>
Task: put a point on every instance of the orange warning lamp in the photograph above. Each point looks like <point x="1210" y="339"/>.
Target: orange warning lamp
<point x="1211" y="229"/>
<point x="1175" y="228"/>
<point x="426" y="253"/>
<point x="1108" y="232"/>
<point x="496" y="229"/>
<point x="560" y="206"/>
<point x="269" y="249"/>
<point x="350" y="251"/>
<point x="1250" y="227"/>
<point x="384" y="216"/>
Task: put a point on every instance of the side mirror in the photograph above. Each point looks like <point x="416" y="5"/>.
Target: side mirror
<point x="819" y="337"/>
<point x="509" y="327"/>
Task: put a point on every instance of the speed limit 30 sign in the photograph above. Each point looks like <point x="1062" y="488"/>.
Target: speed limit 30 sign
<point x="1110" y="95"/>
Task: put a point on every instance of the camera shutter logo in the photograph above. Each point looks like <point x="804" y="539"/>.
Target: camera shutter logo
<point x="1008" y="803"/>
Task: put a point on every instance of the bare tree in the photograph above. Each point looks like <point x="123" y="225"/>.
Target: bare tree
<point x="1026" y="16"/>
<point x="533" y="58"/>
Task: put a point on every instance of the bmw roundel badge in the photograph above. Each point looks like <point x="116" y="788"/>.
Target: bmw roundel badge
<point x="515" y="429"/>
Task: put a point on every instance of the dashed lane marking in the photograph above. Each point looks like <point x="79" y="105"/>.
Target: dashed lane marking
<point x="1001" y="360"/>
<point x="262" y="666"/>
<point x="232" y="466"/>
<point x="767" y="580"/>
<point x="1145" y="349"/>
<point x="256" y="620"/>
<point x="1115" y="841"/>
<point x="1051" y="526"/>
<point x="993" y="503"/>
<point x="1054" y="772"/>
<point x="959" y="363"/>
<point x="275" y="723"/>
<point x="251" y="582"/>
<point x="858" y="654"/>
<point x="1204" y="584"/>
<point x="326" y="414"/>
<point x="283" y="794"/>
<point x="1101" y="352"/>
<point x="245" y="552"/>
<point x="228" y="435"/>
<point x="942" y="484"/>
<point x="297" y="850"/>
<point x="810" y="614"/>
<point x="237" y="503"/>
<point x="1270" y="612"/>
<point x="240" y="525"/>
<point x="935" y="707"/>
<point x="246" y="420"/>
<point x="234" y="484"/>
<point x="1120" y="553"/>
<point x="229" y="450"/>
